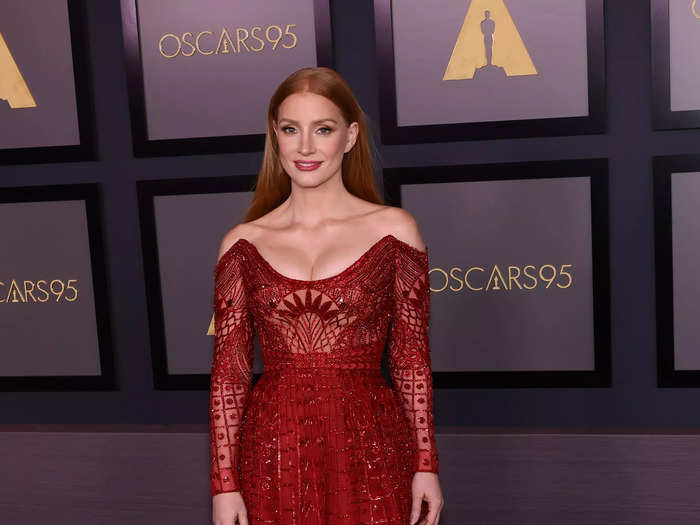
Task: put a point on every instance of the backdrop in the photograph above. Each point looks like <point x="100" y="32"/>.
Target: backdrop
<point x="633" y="400"/>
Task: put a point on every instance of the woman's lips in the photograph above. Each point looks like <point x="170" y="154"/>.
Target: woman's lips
<point x="306" y="166"/>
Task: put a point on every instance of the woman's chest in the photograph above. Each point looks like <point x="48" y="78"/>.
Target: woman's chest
<point x="355" y="295"/>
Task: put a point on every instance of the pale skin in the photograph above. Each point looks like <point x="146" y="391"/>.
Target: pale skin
<point x="319" y="231"/>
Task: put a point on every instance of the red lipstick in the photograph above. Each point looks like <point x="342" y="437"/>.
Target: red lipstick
<point x="307" y="165"/>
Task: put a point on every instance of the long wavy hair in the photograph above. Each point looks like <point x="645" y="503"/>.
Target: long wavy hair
<point x="273" y="185"/>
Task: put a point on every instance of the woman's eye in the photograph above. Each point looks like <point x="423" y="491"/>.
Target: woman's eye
<point x="325" y="130"/>
<point x="288" y="129"/>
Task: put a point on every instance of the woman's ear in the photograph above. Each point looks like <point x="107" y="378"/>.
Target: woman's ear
<point x="353" y="130"/>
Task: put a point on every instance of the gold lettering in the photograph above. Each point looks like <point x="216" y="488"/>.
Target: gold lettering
<point x="456" y="278"/>
<point x="533" y="277"/>
<point x="544" y="278"/>
<point x="240" y="40"/>
<point x="13" y="87"/>
<point x="58" y="293"/>
<point x="279" y="36"/>
<point x="188" y="44"/>
<point x="38" y="285"/>
<point x="28" y="289"/>
<point x="225" y="38"/>
<point x="70" y="286"/>
<point x="36" y="292"/>
<point x="262" y="42"/>
<point x="14" y="292"/>
<point x="160" y="45"/>
<point x="521" y="278"/>
<point x="199" y="48"/>
<point x="563" y="272"/>
<point x="513" y="278"/>
<point x="191" y="44"/>
<point x="493" y="282"/>
<point x="466" y="278"/>
<point x="288" y="32"/>
<point x="441" y="272"/>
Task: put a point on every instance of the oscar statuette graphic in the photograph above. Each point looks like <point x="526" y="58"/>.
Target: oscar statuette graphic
<point x="488" y="45"/>
<point x="211" y="330"/>
<point x="13" y="87"/>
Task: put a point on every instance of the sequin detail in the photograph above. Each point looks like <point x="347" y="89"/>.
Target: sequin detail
<point x="322" y="438"/>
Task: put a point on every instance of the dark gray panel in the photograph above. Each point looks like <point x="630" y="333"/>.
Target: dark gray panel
<point x="684" y="22"/>
<point x="480" y="228"/>
<point x="685" y="195"/>
<point x="48" y="322"/>
<point x="552" y="32"/>
<point x="37" y="32"/>
<point x="190" y="229"/>
<point x="219" y="90"/>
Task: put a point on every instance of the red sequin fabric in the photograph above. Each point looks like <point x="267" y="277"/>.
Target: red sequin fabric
<point x="322" y="438"/>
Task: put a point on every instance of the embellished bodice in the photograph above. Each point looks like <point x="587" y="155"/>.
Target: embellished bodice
<point x="340" y="322"/>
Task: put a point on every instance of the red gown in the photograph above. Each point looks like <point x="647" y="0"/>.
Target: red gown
<point x="322" y="438"/>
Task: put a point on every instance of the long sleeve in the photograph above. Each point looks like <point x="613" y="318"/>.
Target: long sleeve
<point x="231" y="374"/>
<point x="409" y="351"/>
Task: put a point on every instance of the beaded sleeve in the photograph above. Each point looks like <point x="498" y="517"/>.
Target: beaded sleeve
<point x="409" y="351"/>
<point x="231" y="374"/>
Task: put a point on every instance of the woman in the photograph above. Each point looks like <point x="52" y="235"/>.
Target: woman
<point x="325" y="273"/>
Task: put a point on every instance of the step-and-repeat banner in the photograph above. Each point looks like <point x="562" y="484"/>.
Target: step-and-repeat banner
<point x="519" y="268"/>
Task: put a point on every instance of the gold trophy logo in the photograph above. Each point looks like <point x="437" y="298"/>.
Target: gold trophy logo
<point x="13" y="88"/>
<point x="693" y="9"/>
<point x="211" y="330"/>
<point x="489" y="43"/>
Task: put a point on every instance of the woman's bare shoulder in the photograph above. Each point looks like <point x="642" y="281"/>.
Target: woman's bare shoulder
<point x="402" y="224"/>
<point x="243" y="230"/>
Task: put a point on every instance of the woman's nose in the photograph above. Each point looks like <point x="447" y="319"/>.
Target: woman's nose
<point x="306" y="143"/>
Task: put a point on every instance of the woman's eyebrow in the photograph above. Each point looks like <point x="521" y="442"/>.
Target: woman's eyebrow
<point x="314" y="122"/>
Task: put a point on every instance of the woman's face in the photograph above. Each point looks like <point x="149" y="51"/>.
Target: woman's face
<point x="312" y="136"/>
